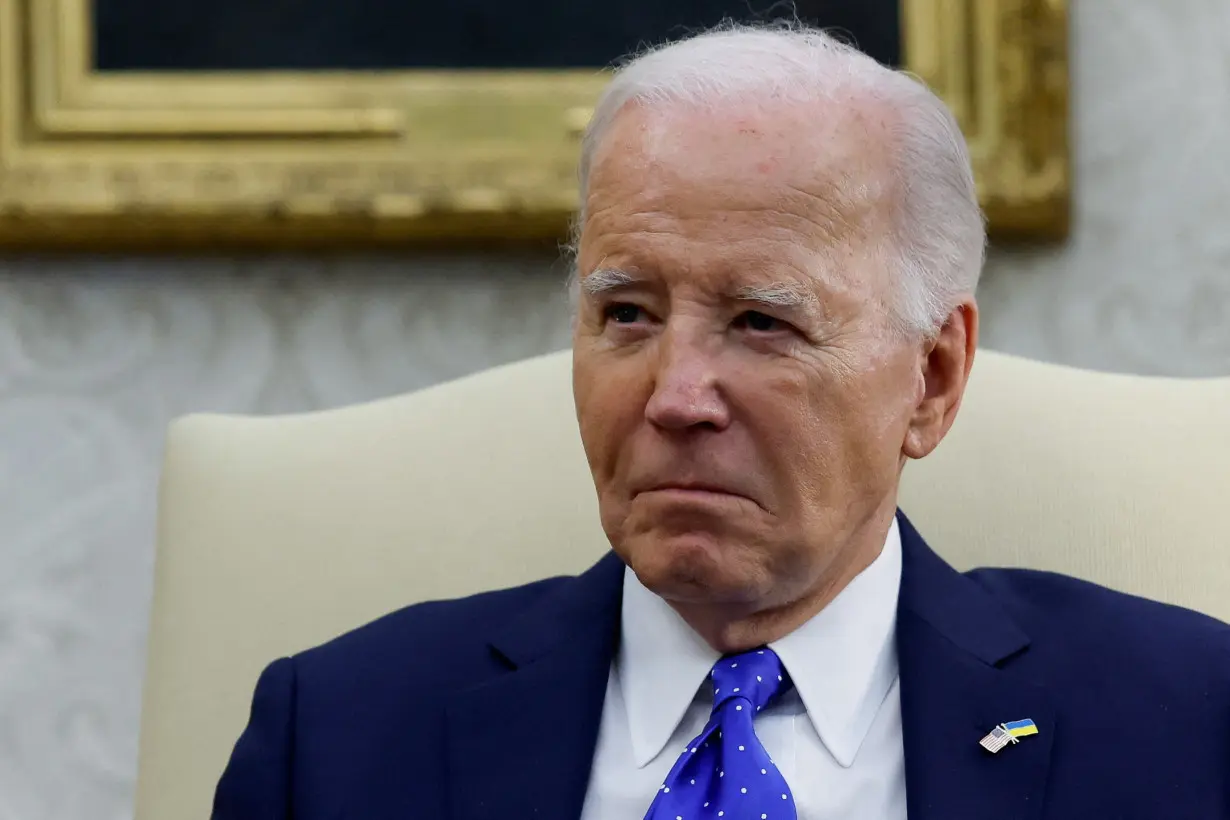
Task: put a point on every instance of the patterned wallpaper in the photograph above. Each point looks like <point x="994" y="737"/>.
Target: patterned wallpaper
<point x="98" y="354"/>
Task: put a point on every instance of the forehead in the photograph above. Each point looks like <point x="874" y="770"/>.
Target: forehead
<point x="749" y="186"/>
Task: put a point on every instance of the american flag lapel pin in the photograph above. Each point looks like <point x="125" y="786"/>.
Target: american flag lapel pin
<point x="1006" y="733"/>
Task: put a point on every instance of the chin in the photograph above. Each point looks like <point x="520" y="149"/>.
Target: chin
<point x="695" y="568"/>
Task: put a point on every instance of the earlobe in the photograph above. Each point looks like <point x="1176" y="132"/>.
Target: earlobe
<point x="913" y="447"/>
<point x="924" y="432"/>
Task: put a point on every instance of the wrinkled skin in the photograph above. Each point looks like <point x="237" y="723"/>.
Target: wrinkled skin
<point x="746" y="451"/>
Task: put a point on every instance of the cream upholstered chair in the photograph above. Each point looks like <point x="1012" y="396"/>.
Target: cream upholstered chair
<point x="277" y="533"/>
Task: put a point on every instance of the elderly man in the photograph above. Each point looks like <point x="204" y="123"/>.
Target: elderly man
<point x="776" y="261"/>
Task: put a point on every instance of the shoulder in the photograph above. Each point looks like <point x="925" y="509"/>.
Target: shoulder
<point x="1082" y="621"/>
<point x="452" y="633"/>
<point x="1141" y="689"/>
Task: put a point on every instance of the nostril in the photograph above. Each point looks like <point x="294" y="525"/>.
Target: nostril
<point x="677" y="412"/>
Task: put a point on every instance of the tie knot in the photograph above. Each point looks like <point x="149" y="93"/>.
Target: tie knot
<point x="758" y="676"/>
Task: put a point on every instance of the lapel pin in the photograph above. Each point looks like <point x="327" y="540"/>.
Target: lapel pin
<point x="1006" y="733"/>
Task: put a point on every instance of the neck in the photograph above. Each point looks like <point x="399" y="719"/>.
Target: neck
<point x="729" y="630"/>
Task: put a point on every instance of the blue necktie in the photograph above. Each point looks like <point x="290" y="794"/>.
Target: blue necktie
<point x="726" y="772"/>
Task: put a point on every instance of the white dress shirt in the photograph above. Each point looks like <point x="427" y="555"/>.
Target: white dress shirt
<point x="836" y="736"/>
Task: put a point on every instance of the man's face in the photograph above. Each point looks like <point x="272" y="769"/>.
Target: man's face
<point x="741" y="395"/>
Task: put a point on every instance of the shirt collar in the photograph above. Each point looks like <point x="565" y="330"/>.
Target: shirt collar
<point x="843" y="661"/>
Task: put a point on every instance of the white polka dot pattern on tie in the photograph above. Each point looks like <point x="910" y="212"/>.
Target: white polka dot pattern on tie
<point x="697" y="786"/>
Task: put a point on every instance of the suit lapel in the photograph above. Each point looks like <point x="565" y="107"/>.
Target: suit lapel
<point x="955" y="645"/>
<point x="521" y="744"/>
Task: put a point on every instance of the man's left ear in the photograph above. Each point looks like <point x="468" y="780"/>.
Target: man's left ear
<point x="946" y="364"/>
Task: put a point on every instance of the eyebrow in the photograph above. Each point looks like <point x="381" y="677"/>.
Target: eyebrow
<point x="791" y="297"/>
<point x="777" y="294"/>
<point x="608" y="280"/>
<point x="788" y="295"/>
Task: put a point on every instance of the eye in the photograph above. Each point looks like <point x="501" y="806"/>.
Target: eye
<point x="759" y="322"/>
<point x="622" y="313"/>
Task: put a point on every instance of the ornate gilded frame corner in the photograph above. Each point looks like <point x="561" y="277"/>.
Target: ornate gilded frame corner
<point x="1002" y="66"/>
<point x="91" y="159"/>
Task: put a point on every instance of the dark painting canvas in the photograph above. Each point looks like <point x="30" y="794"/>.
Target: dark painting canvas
<point x="247" y="35"/>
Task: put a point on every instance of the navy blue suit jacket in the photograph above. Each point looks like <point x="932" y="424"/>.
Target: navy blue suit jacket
<point x="488" y="707"/>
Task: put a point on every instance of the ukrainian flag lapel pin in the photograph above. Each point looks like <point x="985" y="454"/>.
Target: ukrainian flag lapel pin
<point x="1006" y="733"/>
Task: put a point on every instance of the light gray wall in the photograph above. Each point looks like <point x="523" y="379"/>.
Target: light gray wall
<point x="97" y="354"/>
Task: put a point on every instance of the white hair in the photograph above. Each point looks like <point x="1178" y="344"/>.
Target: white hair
<point x="939" y="235"/>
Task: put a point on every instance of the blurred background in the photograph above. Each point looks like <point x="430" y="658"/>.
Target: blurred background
<point x="98" y="352"/>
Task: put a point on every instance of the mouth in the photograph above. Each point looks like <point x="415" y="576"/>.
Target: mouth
<point x="696" y="491"/>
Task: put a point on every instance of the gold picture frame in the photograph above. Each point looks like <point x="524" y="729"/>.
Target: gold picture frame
<point x="302" y="159"/>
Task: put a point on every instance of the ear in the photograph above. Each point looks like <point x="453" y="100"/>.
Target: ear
<point x="946" y="363"/>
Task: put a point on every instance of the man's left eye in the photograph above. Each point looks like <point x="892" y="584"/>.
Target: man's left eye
<point x="622" y="313"/>
<point x="759" y="322"/>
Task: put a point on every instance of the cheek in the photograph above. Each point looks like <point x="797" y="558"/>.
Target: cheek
<point x="825" y="433"/>
<point x="791" y="415"/>
<point x="609" y="407"/>
<point x="870" y="419"/>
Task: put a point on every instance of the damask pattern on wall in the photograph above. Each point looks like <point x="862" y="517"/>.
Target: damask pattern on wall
<point x="97" y="354"/>
<point x="96" y="357"/>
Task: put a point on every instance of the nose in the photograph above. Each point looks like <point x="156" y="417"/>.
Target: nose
<point x="686" y="387"/>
